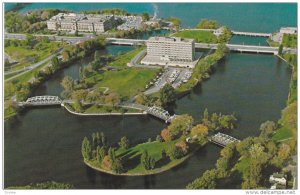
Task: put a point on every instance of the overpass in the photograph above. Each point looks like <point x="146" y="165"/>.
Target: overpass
<point x="55" y="100"/>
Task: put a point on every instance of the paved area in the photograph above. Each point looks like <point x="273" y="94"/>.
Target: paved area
<point x="175" y="76"/>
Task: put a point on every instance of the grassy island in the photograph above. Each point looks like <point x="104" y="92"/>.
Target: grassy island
<point x="173" y="146"/>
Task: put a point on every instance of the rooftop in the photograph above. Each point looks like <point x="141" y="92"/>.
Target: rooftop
<point x="170" y="39"/>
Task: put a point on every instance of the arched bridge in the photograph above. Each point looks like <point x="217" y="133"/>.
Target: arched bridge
<point x="55" y="100"/>
<point x="41" y="101"/>
<point x="222" y="139"/>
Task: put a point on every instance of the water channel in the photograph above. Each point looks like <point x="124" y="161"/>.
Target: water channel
<point x="44" y="144"/>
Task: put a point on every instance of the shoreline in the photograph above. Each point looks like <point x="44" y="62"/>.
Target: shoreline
<point x="102" y="114"/>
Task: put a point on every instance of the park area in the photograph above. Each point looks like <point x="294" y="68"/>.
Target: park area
<point x="123" y="80"/>
<point x="26" y="53"/>
<point x="199" y="36"/>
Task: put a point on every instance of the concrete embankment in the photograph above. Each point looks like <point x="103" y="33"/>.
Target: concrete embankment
<point x="102" y="114"/>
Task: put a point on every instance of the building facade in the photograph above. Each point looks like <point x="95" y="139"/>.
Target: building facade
<point x="81" y="22"/>
<point x="171" y="49"/>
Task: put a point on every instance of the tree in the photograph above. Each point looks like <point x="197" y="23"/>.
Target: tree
<point x="167" y="135"/>
<point x="226" y="121"/>
<point x="176" y="22"/>
<point x="205" y="118"/>
<point x="174" y="152"/>
<point x="68" y="84"/>
<point x="147" y="161"/>
<point x="86" y="149"/>
<point x="115" y="163"/>
<point x="199" y="130"/>
<point x="167" y="94"/>
<point x="55" y="62"/>
<point x="257" y="154"/>
<point x="124" y="143"/>
<point x="100" y="154"/>
<point x="182" y="146"/>
<point x="182" y="123"/>
<point x="280" y="48"/>
<point x="97" y="55"/>
<point x="76" y="33"/>
<point x="65" y="55"/>
<point x="145" y="16"/>
<point x="207" y="181"/>
<point x="267" y="129"/>
<point x="207" y="24"/>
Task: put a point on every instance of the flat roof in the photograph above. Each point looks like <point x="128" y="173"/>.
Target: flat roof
<point x="170" y="39"/>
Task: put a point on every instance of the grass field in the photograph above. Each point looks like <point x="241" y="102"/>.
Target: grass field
<point x="289" y="41"/>
<point x="127" y="82"/>
<point x="27" y="56"/>
<point x="122" y="60"/>
<point x="282" y="134"/>
<point x="199" y="36"/>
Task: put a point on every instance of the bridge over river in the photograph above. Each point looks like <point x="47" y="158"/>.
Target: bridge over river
<point x="231" y="47"/>
<point x="55" y="101"/>
<point x="222" y="139"/>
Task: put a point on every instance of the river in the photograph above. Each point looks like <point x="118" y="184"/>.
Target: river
<point x="44" y="144"/>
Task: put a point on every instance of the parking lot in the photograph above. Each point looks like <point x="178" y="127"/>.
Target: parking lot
<point x="174" y="76"/>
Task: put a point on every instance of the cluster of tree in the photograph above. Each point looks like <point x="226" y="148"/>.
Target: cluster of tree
<point x="145" y="16"/>
<point x="44" y="185"/>
<point x="204" y="67"/>
<point x="147" y="161"/>
<point x="94" y="66"/>
<point x="97" y="150"/>
<point x="176" y="22"/>
<point x="207" y="24"/>
<point x="181" y="125"/>
<point x="200" y="132"/>
<point x="113" y="11"/>
<point x="225" y="36"/>
<point x="217" y="122"/>
<point x="167" y="95"/>
<point x="264" y="156"/>
<point x="32" y="22"/>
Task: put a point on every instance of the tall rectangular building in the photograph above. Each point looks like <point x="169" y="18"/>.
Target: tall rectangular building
<point x="170" y="51"/>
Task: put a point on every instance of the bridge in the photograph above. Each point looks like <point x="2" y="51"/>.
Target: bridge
<point x="42" y="101"/>
<point x="231" y="47"/>
<point x="119" y="41"/>
<point x="245" y="48"/>
<point x="55" y="100"/>
<point x="222" y="139"/>
<point x="254" y="34"/>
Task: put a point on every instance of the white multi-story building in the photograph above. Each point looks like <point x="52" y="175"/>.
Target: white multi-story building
<point x="170" y="51"/>
<point x="81" y="22"/>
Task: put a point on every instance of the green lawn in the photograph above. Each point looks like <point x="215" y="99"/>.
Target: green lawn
<point x="282" y="133"/>
<point x="27" y="56"/>
<point x="199" y="36"/>
<point x="127" y="82"/>
<point x="289" y="41"/>
<point x="122" y="60"/>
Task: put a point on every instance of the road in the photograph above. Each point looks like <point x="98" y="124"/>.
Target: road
<point x="32" y="67"/>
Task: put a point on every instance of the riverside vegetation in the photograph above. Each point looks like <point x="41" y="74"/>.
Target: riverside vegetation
<point x="173" y="146"/>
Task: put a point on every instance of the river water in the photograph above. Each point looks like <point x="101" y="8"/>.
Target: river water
<point x="44" y="144"/>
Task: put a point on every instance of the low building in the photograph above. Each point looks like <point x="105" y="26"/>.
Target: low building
<point x="172" y="51"/>
<point x="278" y="178"/>
<point x="81" y="22"/>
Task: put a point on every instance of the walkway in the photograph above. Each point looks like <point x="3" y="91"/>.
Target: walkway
<point x="255" y="34"/>
<point x="32" y="67"/>
<point x="55" y="100"/>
